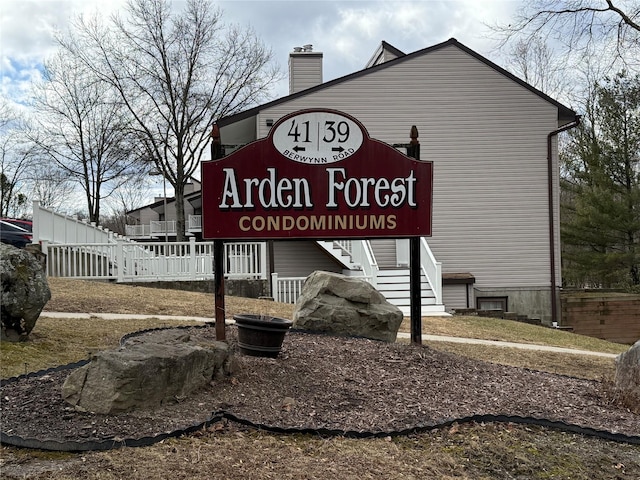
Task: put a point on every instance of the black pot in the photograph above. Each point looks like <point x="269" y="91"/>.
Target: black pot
<point x="261" y="335"/>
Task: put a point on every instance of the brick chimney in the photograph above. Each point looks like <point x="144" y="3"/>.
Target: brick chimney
<point x="305" y="68"/>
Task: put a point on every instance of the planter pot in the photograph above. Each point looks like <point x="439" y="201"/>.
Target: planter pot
<point x="261" y="335"/>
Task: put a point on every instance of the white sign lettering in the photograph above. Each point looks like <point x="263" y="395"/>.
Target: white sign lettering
<point x="359" y="192"/>
<point x="273" y="192"/>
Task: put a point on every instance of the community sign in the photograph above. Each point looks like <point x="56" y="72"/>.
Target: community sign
<point x="317" y="175"/>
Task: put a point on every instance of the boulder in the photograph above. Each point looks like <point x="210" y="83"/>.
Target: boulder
<point x="24" y="293"/>
<point x="341" y="305"/>
<point x="146" y="372"/>
<point x="628" y="374"/>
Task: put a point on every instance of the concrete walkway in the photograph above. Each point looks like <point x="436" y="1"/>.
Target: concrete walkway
<point x="499" y="343"/>
<point x="401" y="335"/>
<point x="123" y="316"/>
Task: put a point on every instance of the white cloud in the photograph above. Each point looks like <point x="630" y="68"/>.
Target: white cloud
<point x="27" y="28"/>
<point x="347" y="31"/>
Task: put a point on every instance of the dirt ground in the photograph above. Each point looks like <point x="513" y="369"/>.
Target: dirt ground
<point x="334" y="383"/>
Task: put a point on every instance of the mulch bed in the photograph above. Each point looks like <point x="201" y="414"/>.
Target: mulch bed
<point x="337" y="383"/>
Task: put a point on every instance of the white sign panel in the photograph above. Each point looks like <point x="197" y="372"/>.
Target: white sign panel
<point x="317" y="137"/>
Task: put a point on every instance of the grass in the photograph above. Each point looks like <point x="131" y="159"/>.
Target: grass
<point x="581" y="366"/>
<point x="460" y="452"/>
<point x="511" y="331"/>
<point x="227" y="451"/>
<point x="60" y="341"/>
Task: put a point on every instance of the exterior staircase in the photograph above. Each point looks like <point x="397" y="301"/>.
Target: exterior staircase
<point x="394" y="285"/>
<point x="380" y="268"/>
<point x="340" y="250"/>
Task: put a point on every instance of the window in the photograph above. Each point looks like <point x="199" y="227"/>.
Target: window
<point x="491" y="303"/>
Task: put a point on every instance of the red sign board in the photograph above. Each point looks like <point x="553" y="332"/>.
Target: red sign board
<point x="317" y="175"/>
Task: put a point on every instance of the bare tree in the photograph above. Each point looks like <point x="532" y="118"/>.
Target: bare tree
<point x="177" y="73"/>
<point x="81" y="125"/>
<point x="538" y="65"/>
<point x="123" y="201"/>
<point x="16" y="156"/>
<point x="50" y="184"/>
<point x="579" y="26"/>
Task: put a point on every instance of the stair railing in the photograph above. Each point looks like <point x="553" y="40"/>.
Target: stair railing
<point x="58" y="228"/>
<point x="365" y="260"/>
<point x="431" y="269"/>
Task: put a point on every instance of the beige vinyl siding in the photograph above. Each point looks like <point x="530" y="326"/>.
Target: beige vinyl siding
<point x="300" y="258"/>
<point x="385" y="56"/>
<point x="146" y="216"/>
<point x="240" y="133"/>
<point x="487" y="138"/>
<point x="385" y="252"/>
<point x="455" y="296"/>
<point x="305" y="71"/>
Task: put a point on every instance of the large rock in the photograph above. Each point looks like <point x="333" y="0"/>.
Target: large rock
<point x="146" y="372"/>
<point x="24" y="292"/>
<point x="340" y="305"/>
<point x="628" y="374"/>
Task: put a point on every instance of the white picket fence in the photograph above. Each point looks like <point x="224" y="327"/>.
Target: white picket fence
<point x="78" y="249"/>
<point x="286" y="290"/>
<point x="171" y="261"/>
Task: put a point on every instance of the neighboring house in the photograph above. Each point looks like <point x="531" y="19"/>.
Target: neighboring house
<point x="492" y="139"/>
<point x="157" y="220"/>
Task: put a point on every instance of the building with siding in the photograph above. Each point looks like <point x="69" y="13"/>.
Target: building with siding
<point x="493" y="140"/>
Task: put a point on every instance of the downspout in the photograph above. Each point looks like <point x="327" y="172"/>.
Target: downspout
<point x="552" y="235"/>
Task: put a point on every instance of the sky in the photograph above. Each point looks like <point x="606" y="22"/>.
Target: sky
<point x="347" y="32"/>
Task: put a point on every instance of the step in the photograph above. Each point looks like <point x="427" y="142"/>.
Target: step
<point x="393" y="272"/>
<point x="427" y="311"/>
<point x="405" y="286"/>
<point x="406" y="301"/>
<point x="398" y="280"/>
<point x="403" y="297"/>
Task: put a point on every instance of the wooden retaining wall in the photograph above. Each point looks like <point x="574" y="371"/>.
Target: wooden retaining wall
<point x="614" y="318"/>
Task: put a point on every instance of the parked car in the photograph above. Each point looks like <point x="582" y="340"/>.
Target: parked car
<point x="26" y="224"/>
<point x="14" y="235"/>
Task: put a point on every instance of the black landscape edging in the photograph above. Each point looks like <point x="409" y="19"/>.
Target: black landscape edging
<point x="485" y="418"/>
<point x="159" y="329"/>
<point x="41" y="373"/>
<point x="109" y="444"/>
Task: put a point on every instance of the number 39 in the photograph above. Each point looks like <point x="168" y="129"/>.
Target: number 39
<point x="341" y="130"/>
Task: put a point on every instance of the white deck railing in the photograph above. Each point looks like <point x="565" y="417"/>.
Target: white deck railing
<point x="78" y="249"/>
<point x="55" y="227"/>
<point x="127" y="262"/>
<point x="162" y="227"/>
<point x="137" y="230"/>
<point x="286" y="290"/>
<point x="194" y="224"/>
<point x="158" y="228"/>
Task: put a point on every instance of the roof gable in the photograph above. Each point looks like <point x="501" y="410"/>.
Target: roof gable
<point x="565" y="114"/>
<point x="383" y="54"/>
